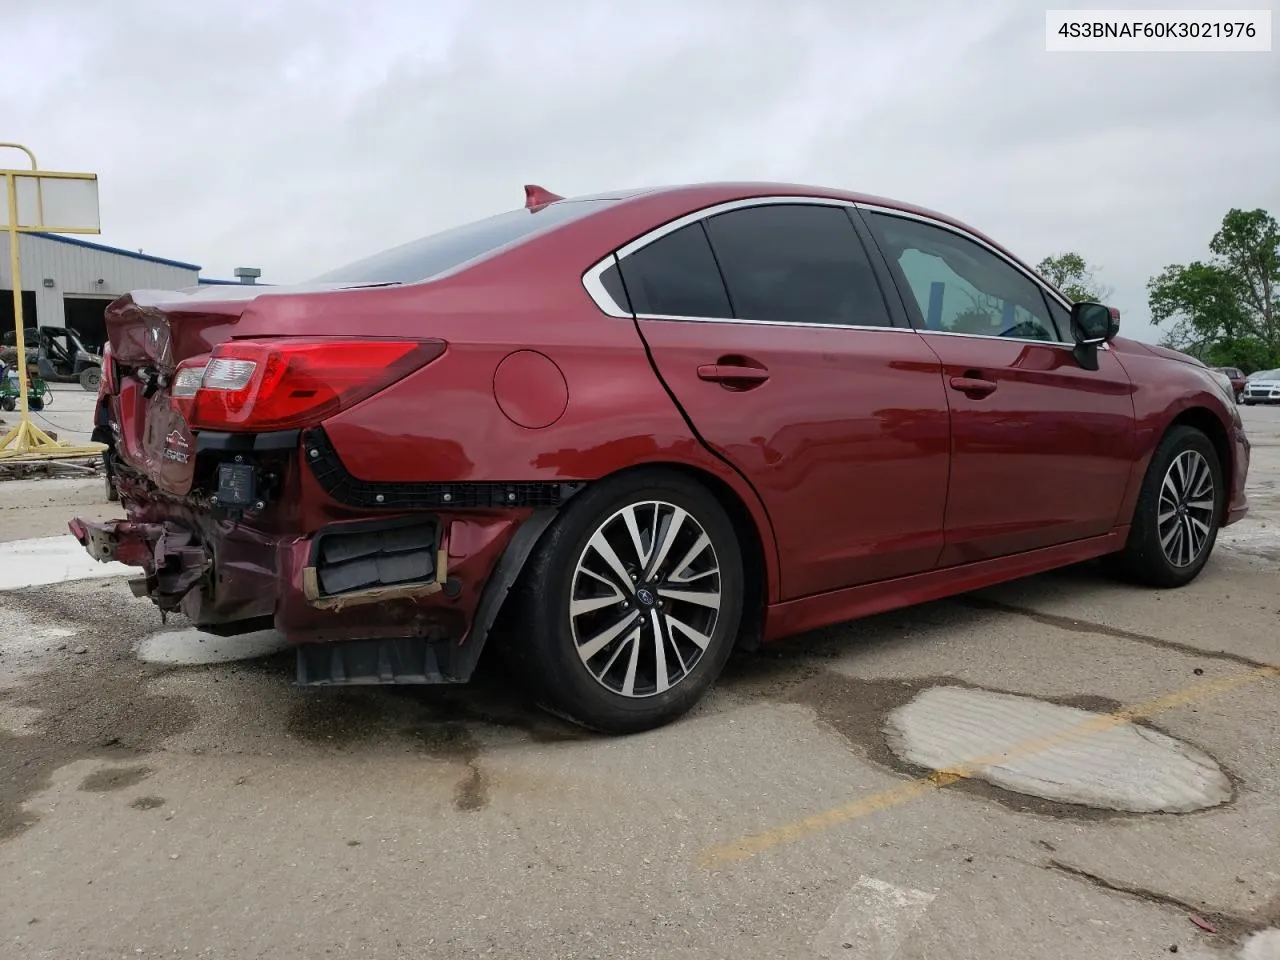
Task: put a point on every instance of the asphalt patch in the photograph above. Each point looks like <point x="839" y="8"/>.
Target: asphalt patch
<point x="1024" y="745"/>
<point x="114" y="778"/>
<point x="856" y="709"/>
<point x="440" y="723"/>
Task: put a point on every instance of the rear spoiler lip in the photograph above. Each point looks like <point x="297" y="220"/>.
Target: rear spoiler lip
<point x="139" y="324"/>
<point x="235" y="293"/>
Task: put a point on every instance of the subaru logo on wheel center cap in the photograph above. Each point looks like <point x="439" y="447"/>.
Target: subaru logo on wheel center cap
<point x="645" y="596"/>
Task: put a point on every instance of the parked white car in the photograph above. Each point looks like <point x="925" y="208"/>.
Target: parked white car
<point x="1262" y="387"/>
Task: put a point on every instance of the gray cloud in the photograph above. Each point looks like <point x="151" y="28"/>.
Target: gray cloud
<point x="294" y="135"/>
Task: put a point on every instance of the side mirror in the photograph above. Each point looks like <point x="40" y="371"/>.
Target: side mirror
<point x="1092" y="324"/>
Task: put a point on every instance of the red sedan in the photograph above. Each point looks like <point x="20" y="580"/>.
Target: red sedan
<point x="644" y="428"/>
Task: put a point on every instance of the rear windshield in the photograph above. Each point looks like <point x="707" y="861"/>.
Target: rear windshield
<point x="433" y="255"/>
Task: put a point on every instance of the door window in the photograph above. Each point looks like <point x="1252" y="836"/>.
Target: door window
<point x="1061" y="316"/>
<point x="960" y="286"/>
<point x="796" y="263"/>
<point x="676" y="276"/>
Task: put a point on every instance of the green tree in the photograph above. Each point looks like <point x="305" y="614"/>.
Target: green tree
<point x="1073" y="275"/>
<point x="1226" y="311"/>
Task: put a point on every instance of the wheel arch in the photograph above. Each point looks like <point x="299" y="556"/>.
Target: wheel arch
<point x="759" y="557"/>
<point x="1210" y="424"/>
<point x="760" y="575"/>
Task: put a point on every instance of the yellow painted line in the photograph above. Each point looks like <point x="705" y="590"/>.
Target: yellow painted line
<point x="749" y="846"/>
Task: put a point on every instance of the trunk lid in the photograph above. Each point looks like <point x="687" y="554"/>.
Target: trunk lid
<point x="151" y="332"/>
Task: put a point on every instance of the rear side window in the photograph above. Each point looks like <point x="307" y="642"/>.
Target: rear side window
<point x="611" y="280"/>
<point x="440" y="252"/>
<point x="676" y="276"/>
<point x="796" y="263"/>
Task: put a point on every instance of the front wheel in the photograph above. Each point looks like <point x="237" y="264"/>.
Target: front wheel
<point x="1175" y="523"/>
<point x="91" y="378"/>
<point x="631" y="603"/>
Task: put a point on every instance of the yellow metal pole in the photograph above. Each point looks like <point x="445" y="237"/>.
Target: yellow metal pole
<point x="39" y="186"/>
<point x="15" y="280"/>
<point x="25" y="440"/>
<point x="18" y="146"/>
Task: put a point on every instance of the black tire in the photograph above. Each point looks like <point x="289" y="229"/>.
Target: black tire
<point x="35" y="404"/>
<point x="545" y="648"/>
<point x="1144" y="560"/>
<point x="8" y="404"/>
<point x="113" y="495"/>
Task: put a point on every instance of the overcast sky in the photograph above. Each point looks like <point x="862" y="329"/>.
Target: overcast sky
<point x="295" y="135"/>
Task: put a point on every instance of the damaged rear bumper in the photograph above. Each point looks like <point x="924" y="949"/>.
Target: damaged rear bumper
<point x="394" y="600"/>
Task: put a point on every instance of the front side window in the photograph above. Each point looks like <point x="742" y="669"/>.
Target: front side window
<point x="796" y="263"/>
<point x="960" y="286"/>
<point x="1061" y="316"/>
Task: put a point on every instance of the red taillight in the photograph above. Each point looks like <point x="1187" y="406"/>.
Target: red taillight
<point x="185" y="384"/>
<point x="107" y="385"/>
<point x="279" y="384"/>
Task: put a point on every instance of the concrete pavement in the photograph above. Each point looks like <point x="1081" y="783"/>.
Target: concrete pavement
<point x="189" y="809"/>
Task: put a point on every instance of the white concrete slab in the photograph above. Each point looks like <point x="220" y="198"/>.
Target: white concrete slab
<point x="191" y="647"/>
<point x="1264" y="945"/>
<point x="872" y="922"/>
<point x="46" y="560"/>
<point x="1044" y="750"/>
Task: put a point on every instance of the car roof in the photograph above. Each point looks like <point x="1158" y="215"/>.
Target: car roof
<point x="699" y="195"/>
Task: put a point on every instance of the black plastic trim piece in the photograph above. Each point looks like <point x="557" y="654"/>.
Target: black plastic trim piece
<point x="338" y="482"/>
<point x="421" y="660"/>
<point x="348" y="663"/>
<point x="496" y="589"/>
<point x="369" y="526"/>
<point x="212" y="441"/>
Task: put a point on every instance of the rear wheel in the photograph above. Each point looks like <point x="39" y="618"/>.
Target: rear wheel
<point x="112" y="493"/>
<point x="90" y="377"/>
<point x="1175" y="524"/>
<point x="631" y="603"/>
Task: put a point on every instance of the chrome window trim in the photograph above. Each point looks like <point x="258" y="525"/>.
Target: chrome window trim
<point x="595" y="289"/>
<point x="591" y="278"/>
<point x="988" y="336"/>
<point x="771" y="323"/>
<point x="707" y="212"/>
<point x="951" y="228"/>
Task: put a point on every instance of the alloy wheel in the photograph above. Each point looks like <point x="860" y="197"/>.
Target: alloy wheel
<point x="645" y="599"/>
<point x="1185" y="512"/>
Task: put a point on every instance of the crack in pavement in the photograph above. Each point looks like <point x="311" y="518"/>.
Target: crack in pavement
<point x="1231" y="925"/>
<point x="1076" y="625"/>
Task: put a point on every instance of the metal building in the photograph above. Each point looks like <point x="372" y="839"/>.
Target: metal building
<point x="68" y="282"/>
